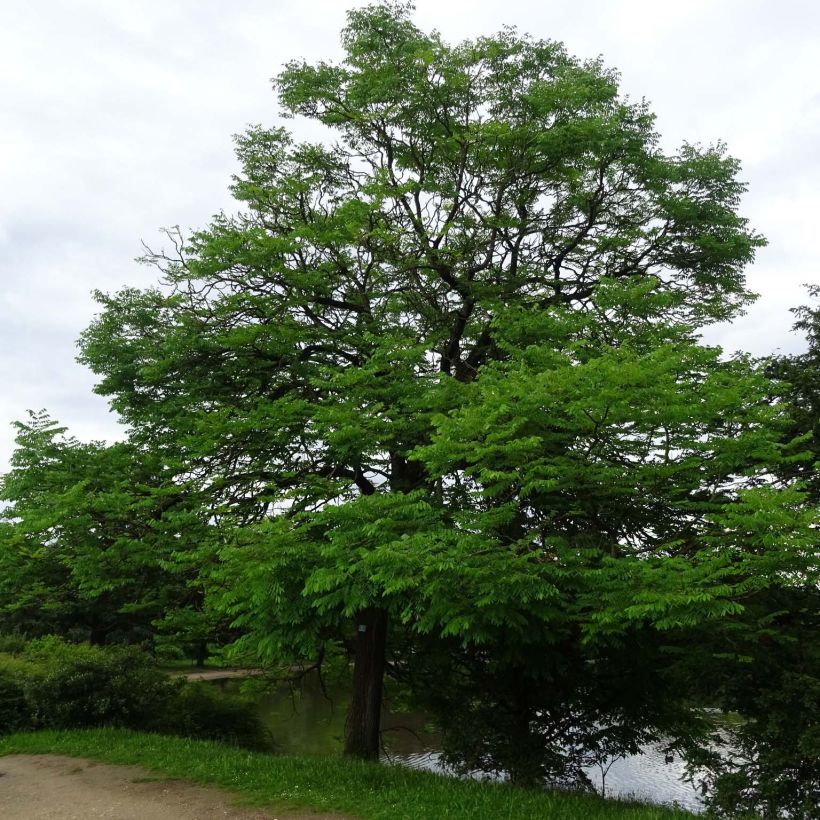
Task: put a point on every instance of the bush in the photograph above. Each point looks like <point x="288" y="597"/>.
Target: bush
<point x="53" y="684"/>
<point x="87" y="686"/>
<point x="14" y="711"/>
<point x="12" y="643"/>
<point x="52" y="651"/>
<point x="200" y="710"/>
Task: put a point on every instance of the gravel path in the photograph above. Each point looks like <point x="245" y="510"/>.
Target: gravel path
<point x="49" y="787"/>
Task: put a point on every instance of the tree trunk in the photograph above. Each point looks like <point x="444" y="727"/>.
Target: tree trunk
<point x="525" y="746"/>
<point x="98" y="634"/>
<point x="364" y="715"/>
<point x="201" y="654"/>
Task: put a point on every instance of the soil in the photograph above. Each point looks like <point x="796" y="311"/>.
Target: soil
<point x="50" y="787"/>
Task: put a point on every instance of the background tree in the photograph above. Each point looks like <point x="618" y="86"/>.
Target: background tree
<point x="90" y="538"/>
<point x="801" y="375"/>
<point x="772" y="675"/>
<point x="301" y="352"/>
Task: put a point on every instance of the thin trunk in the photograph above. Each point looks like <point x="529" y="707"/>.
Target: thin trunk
<point x="98" y="634"/>
<point x="201" y="654"/>
<point x="364" y="715"/>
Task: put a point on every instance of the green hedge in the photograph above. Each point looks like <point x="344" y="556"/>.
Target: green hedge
<point x="52" y="684"/>
<point x="200" y="710"/>
<point x="15" y="714"/>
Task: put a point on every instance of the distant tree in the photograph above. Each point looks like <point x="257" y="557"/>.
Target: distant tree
<point x="772" y="675"/>
<point x="438" y="381"/>
<point x="801" y="372"/>
<point x="84" y="548"/>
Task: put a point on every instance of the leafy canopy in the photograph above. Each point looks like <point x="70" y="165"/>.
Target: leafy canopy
<point x="446" y="368"/>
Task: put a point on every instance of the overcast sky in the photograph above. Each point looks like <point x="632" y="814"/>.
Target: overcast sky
<point x="116" y="119"/>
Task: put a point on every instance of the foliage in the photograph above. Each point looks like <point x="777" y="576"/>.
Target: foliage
<point x="12" y="643"/>
<point x="59" y="685"/>
<point x="14" y="712"/>
<point x="94" y="542"/>
<point x="616" y="478"/>
<point x="800" y="375"/>
<point x="772" y="678"/>
<point x="200" y="710"/>
<point x="87" y="686"/>
<point x="550" y="719"/>
<point x="774" y="770"/>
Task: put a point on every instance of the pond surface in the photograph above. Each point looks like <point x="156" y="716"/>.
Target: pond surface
<point x="306" y="721"/>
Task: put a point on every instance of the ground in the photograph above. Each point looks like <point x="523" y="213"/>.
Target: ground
<point x="50" y="787"/>
<point x="220" y="674"/>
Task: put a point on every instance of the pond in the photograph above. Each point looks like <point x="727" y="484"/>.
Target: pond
<point x="306" y="721"/>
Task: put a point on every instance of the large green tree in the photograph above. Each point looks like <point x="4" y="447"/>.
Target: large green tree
<point x="390" y="373"/>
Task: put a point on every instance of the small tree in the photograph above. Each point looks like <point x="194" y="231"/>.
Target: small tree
<point x="87" y="547"/>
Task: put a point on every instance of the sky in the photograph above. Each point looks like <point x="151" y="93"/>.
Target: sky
<point x="116" y="119"/>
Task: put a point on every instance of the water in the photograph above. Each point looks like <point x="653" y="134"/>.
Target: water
<point x="648" y="777"/>
<point x="305" y="721"/>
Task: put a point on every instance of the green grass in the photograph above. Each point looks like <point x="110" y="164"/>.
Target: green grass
<point x="365" y="790"/>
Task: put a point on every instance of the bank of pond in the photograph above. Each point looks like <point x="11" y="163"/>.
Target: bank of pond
<point x="282" y="744"/>
<point x="330" y="784"/>
<point x="309" y="718"/>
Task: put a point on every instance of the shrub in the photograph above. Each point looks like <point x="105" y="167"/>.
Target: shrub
<point x="53" y="684"/>
<point x="200" y="710"/>
<point x="14" y="711"/>
<point x="85" y="686"/>
<point x="52" y="651"/>
<point x="12" y="644"/>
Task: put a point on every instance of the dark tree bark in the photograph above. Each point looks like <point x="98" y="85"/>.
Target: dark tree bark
<point x="364" y="714"/>
<point x="98" y="634"/>
<point x="201" y="654"/>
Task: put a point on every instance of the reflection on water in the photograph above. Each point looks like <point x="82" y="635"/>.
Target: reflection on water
<point x="306" y="721"/>
<point x="643" y="777"/>
<point x="648" y="777"/>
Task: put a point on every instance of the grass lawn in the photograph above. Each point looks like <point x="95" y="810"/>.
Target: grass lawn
<point x="365" y="790"/>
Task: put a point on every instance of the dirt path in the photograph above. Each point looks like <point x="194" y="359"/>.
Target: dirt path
<point x="220" y="674"/>
<point x="48" y="787"/>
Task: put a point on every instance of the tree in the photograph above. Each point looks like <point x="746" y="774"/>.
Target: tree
<point x="801" y="375"/>
<point x="87" y="540"/>
<point x="604" y="509"/>
<point x="772" y="677"/>
<point x="481" y="198"/>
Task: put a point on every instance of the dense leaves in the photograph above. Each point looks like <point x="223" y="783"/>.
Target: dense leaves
<point x="52" y="684"/>
<point x="96" y="542"/>
<point x="770" y="674"/>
